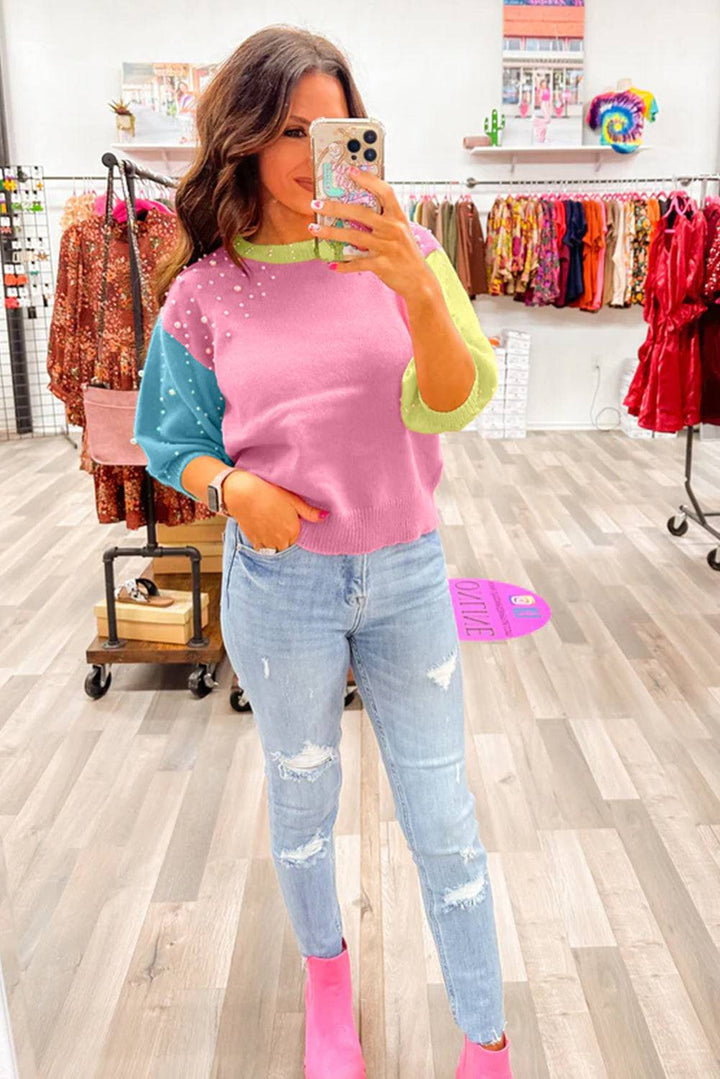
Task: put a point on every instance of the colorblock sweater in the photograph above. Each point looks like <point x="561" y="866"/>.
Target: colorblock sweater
<point x="307" y="379"/>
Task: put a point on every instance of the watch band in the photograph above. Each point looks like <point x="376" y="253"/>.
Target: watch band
<point x="216" y="501"/>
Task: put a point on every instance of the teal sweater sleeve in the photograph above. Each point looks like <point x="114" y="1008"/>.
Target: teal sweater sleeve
<point x="179" y="411"/>
<point x="416" y="414"/>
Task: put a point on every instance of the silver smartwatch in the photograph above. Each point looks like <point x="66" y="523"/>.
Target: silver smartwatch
<point x="216" y="502"/>
<point x="215" y="499"/>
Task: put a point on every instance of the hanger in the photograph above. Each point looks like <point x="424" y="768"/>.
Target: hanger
<point x="680" y="203"/>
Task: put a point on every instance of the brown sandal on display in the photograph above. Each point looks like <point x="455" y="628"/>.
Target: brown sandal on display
<point x="142" y="591"/>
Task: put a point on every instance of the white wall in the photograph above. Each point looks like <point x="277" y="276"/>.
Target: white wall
<point x="431" y="72"/>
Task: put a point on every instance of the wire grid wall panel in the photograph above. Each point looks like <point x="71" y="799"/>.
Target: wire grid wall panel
<point x="27" y="408"/>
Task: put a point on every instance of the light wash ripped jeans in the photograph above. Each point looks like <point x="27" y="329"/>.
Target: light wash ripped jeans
<point x="293" y="622"/>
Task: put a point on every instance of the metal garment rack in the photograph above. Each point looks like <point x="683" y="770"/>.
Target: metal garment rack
<point x="151" y="549"/>
<point x="678" y="180"/>
<point x="201" y="680"/>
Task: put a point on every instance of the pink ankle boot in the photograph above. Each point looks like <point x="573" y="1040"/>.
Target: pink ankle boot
<point x="478" y="1063"/>
<point x="332" y="1046"/>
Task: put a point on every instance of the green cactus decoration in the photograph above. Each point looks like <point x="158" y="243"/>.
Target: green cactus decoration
<point x="493" y="126"/>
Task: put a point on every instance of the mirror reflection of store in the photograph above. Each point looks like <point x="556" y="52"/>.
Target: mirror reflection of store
<point x="543" y="56"/>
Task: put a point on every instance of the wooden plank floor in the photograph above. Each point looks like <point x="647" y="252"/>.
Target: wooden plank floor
<point x="142" y="931"/>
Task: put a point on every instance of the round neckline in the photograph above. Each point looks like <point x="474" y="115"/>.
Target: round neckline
<point x="297" y="251"/>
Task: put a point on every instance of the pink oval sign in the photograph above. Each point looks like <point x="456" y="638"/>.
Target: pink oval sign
<point x="495" y="611"/>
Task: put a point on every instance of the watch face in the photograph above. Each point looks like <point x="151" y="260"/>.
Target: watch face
<point x="213" y="500"/>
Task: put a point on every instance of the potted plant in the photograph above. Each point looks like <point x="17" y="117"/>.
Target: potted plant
<point x="124" y="120"/>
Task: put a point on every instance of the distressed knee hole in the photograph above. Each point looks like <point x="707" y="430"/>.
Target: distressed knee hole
<point x="308" y="764"/>
<point x="467" y="895"/>
<point x="442" y="674"/>
<point x="306" y="853"/>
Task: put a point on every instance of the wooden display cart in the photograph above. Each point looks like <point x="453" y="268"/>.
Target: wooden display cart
<point x="204" y="650"/>
<point x="204" y="658"/>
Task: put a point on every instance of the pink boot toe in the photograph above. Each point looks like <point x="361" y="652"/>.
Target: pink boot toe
<point x="332" y="1046"/>
<point x="478" y="1063"/>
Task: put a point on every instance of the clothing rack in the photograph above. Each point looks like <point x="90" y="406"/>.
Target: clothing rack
<point x="679" y="179"/>
<point x="151" y="548"/>
<point x="683" y="179"/>
<point x="201" y="680"/>
<point x="677" y="524"/>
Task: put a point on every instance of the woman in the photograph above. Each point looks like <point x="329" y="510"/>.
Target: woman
<point x="284" y="384"/>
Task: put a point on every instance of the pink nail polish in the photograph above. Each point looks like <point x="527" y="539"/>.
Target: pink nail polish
<point x="332" y="265"/>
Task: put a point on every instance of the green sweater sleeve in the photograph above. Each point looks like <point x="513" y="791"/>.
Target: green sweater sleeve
<point x="416" y="414"/>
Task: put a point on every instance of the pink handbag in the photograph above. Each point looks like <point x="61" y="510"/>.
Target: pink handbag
<point x="110" y="414"/>
<point x="110" y="423"/>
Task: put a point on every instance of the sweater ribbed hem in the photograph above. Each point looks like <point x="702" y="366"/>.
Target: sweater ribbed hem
<point x="371" y="527"/>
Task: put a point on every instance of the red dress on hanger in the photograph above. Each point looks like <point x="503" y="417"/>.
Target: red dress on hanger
<point x="665" y="392"/>
<point x="710" y="321"/>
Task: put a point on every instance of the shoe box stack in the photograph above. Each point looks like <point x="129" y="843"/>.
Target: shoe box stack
<point x="144" y="622"/>
<point x="207" y="536"/>
<point x="506" y="414"/>
<point x="174" y="624"/>
<point x="491" y="421"/>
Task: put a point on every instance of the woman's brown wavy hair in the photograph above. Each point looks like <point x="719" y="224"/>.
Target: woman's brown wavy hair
<point x="244" y="107"/>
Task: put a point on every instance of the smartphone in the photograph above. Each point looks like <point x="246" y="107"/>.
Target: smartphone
<point x="336" y="143"/>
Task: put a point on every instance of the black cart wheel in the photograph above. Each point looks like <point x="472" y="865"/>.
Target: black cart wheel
<point x="714" y="559"/>
<point x="201" y="681"/>
<point x="239" y="700"/>
<point x="98" y="682"/>
<point x="678" y="530"/>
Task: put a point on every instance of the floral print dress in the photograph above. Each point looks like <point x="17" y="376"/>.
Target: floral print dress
<point x="72" y="358"/>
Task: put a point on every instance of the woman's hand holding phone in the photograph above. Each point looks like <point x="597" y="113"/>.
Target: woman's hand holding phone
<point x="395" y="254"/>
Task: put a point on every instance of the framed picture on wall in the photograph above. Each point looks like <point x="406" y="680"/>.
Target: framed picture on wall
<point x="543" y="70"/>
<point x="163" y="97"/>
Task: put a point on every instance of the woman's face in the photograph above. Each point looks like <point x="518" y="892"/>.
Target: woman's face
<point x="288" y="160"/>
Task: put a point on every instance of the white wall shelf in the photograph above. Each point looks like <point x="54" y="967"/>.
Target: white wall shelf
<point x="174" y="160"/>
<point x="516" y="155"/>
<point x="166" y="160"/>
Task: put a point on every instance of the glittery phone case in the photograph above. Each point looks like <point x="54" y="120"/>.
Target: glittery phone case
<point x="337" y="143"/>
